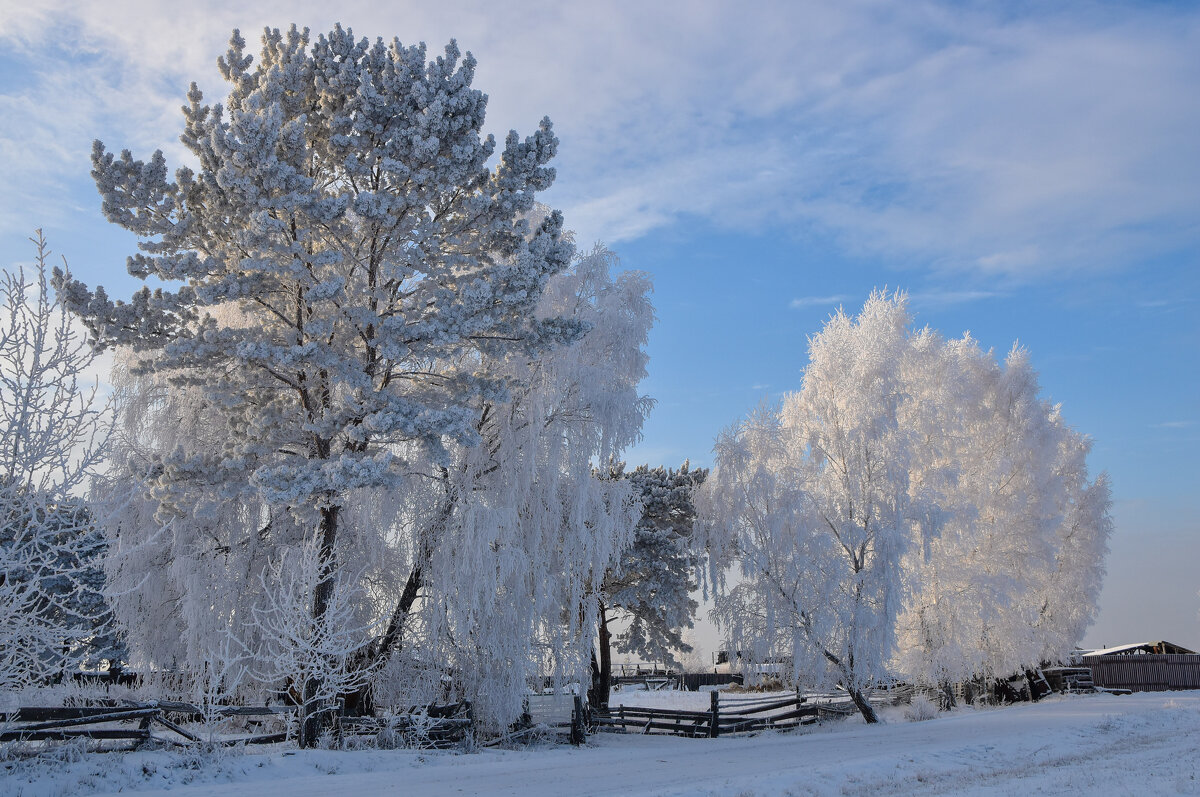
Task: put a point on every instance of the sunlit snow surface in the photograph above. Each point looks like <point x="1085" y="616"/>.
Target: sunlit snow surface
<point x="1138" y="744"/>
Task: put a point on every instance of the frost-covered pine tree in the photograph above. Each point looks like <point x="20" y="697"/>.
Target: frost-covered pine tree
<point x="53" y="616"/>
<point x="468" y="567"/>
<point x="377" y="268"/>
<point x="651" y="588"/>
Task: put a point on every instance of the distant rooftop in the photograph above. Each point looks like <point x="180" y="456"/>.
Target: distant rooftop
<point x="1135" y="648"/>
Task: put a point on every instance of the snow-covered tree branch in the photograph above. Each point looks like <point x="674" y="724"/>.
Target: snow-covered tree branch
<point x="52" y="437"/>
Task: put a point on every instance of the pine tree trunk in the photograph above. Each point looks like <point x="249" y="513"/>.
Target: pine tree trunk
<point x="311" y="722"/>
<point x="329" y="530"/>
<point x="594" y="690"/>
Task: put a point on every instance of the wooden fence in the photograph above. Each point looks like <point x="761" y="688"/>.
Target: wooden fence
<point x="138" y="723"/>
<point x="1146" y="672"/>
<point x="558" y="716"/>
<point x="166" y="722"/>
<point x="725" y="715"/>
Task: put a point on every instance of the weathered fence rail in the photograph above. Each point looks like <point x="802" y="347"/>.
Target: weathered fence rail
<point x="725" y="715"/>
<point x="729" y="713"/>
<point x="692" y="681"/>
<point x="437" y="726"/>
<point x="60" y="723"/>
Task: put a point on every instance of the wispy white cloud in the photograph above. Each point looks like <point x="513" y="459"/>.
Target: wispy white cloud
<point x="1010" y="145"/>
<point x="818" y="301"/>
<point x="929" y="297"/>
<point x="944" y="298"/>
<point x="1174" y="425"/>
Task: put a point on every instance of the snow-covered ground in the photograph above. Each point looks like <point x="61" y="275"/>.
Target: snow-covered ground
<point x="1099" y="744"/>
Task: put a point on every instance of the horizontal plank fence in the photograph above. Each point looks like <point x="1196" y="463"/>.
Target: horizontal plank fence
<point x="164" y="721"/>
<point x="135" y="722"/>
<point x="1145" y="672"/>
<point x="725" y="715"/>
<point x="730" y="713"/>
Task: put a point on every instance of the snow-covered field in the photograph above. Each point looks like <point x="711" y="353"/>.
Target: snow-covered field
<point x="1100" y="744"/>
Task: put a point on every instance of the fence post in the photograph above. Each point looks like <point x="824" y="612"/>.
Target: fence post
<point x="714" y="728"/>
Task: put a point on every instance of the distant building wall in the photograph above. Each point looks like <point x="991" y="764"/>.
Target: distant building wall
<point x="1145" y="672"/>
<point x="692" y="681"/>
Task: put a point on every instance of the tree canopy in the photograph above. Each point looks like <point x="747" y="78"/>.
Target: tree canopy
<point x="372" y="339"/>
<point x="915" y="509"/>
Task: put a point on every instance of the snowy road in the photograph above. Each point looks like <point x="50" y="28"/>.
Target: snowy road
<point x="1138" y="744"/>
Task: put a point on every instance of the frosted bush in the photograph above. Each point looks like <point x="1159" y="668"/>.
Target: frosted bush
<point x="921" y="709"/>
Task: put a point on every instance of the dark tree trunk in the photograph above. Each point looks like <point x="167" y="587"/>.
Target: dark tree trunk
<point x="948" y="695"/>
<point x="861" y="703"/>
<point x="864" y="706"/>
<point x="394" y="634"/>
<point x="395" y="629"/>
<point x="359" y="702"/>
<point x="312" y="716"/>
<point x="329" y="530"/>
<point x="594" y="700"/>
<point x="605" y="647"/>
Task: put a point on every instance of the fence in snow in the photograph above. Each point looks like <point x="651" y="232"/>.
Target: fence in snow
<point x="726" y="714"/>
<point x="167" y="722"/>
<point x="139" y="723"/>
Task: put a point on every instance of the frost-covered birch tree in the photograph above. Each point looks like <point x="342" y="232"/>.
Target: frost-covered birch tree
<point x="52" y="437"/>
<point x="522" y="534"/>
<point x="295" y="650"/>
<point x="380" y="270"/>
<point x="915" y="509"/>
<point x="815" y="495"/>
<point x="1013" y="577"/>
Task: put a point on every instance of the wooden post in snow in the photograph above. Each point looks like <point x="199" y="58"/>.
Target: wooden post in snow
<point x="714" y="728"/>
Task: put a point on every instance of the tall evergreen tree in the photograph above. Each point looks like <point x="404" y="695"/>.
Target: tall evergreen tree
<point x="651" y="587"/>
<point x="351" y="277"/>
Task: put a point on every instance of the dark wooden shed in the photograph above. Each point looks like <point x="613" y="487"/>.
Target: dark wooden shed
<point x="1144" y="666"/>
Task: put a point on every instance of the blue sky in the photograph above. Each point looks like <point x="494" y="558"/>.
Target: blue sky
<point x="1027" y="174"/>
